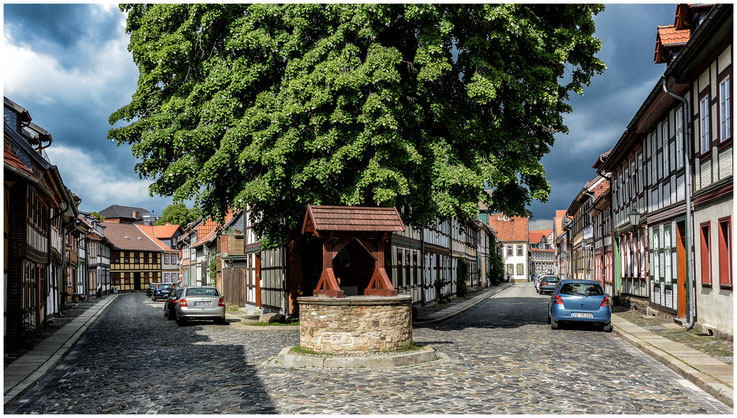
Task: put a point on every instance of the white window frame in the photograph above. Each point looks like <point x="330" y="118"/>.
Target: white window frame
<point x="725" y="109"/>
<point x="704" y="128"/>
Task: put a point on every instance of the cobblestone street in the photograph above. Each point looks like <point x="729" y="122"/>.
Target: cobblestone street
<point x="503" y="359"/>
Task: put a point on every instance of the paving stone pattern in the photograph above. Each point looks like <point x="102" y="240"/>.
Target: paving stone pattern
<point x="503" y="359"/>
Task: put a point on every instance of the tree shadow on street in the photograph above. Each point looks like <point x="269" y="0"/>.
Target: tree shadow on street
<point x="133" y="360"/>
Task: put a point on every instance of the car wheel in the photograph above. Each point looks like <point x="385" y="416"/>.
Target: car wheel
<point x="607" y="327"/>
<point x="171" y="315"/>
<point x="553" y="324"/>
<point x="220" y="321"/>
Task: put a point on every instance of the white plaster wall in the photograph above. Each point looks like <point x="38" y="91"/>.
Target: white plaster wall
<point x="713" y="305"/>
<point x="515" y="259"/>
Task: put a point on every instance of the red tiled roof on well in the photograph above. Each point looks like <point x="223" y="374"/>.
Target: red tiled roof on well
<point x="512" y="229"/>
<point x="351" y="218"/>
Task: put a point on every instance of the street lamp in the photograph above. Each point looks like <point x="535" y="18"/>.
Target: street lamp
<point x="635" y="217"/>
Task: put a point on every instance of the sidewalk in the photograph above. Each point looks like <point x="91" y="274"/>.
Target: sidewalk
<point x="711" y="375"/>
<point x="23" y="373"/>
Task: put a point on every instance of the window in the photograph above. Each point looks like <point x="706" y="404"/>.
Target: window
<point x="510" y="250"/>
<point x="705" y="254"/>
<point x="519" y="250"/>
<point x="166" y="258"/>
<point x="664" y="136"/>
<point x="399" y="279"/>
<point x="704" y="124"/>
<point x="408" y="269"/>
<point x="173" y="259"/>
<point x="679" y="138"/>
<point x="510" y="268"/>
<point x="725" y="110"/>
<point x="520" y="269"/>
<point x="725" y="251"/>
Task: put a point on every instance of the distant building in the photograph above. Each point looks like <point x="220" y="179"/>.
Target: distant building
<point x="561" y="242"/>
<point x="542" y="252"/>
<point x="513" y="233"/>
<point x="165" y="236"/>
<point x="135" y="258"/>
<point x="128" y="215"/>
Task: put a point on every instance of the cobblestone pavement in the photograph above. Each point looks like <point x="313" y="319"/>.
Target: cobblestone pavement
<point x="503" y="359"/>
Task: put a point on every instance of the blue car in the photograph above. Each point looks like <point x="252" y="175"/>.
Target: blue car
<point x="579" y="301"/>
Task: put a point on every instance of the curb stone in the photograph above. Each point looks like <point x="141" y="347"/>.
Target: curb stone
<point x="424" y="355"/>
<point x="708" y="384"/>
<point x="15" y="392"/>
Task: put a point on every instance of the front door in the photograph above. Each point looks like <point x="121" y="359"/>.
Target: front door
<point x="136" y="281"/>
<point x="681" y="248"/>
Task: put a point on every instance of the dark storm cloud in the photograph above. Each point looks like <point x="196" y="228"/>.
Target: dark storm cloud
<point x="627" y="32"/>
<point x="62" y="30"/>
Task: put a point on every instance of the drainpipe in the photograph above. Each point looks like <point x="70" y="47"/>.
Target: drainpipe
<point x="689" y="234"/>
<point x="422" y="264"/>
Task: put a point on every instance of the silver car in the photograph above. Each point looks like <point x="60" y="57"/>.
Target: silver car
<point x="200" y="302"/>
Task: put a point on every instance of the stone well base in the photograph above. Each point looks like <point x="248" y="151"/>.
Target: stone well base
<point x="357" y="324"/>
<point x="373" y="361"/>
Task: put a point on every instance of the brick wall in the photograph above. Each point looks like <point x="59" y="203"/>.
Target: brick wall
<point x="355" y="325"/>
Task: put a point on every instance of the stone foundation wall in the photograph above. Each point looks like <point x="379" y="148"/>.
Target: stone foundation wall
<point x="355" y="324"/>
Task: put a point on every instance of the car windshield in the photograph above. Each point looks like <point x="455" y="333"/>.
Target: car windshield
<point x="202" y="292"/>
<point x="581" y="289"/>
<point x="550" y="279"/>
<point x="165" y="286"/>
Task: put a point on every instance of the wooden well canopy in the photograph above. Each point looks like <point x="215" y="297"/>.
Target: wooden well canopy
<point x="369" y="226"/>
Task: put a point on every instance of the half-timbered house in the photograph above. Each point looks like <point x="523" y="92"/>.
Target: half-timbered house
<point x="38" y="209"/>
<point x="135" y="259"/>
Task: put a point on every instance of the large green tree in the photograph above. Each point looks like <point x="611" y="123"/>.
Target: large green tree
<point x="417" y="106"/>
<point x="178" y="214"/>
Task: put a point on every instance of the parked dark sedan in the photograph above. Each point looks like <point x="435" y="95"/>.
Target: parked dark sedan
<point x="162" y="291"/>
<point x="171" y="302"/>
<point x="548" y="283"/>
<point x="150" y="289"/>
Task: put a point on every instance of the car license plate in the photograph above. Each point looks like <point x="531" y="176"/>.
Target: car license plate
<point x="582" y="315"/>
<point x="202" y="304"/>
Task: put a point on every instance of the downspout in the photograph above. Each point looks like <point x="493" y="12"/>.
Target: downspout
<point x="689" y="233"/>
<point x="422" y="264"/>
<point x="608" y="176"/>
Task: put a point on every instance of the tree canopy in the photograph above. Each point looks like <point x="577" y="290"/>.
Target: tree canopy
<point x="417" y="106"/>
<point x="178" y="214"/>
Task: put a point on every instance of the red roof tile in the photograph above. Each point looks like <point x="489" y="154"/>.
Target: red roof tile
<point x="207" y="230"/>
<point x="12" y="159"/>
<point x="165" y="231"/>
<point x="512" y="229"/>
<point x="669" y="35"/>
<point x="535" y="236"/>
<point x="136" y="240"/>
<point x="351" y="218"/>
<point x="150" y="232"/>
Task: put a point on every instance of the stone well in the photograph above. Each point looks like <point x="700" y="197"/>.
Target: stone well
<point x="356" y="324"/>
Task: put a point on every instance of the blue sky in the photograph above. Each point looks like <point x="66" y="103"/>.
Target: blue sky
<point x="69" y="67"/>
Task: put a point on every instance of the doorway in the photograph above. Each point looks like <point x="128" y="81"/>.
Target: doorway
<point x="681" y="249"/>
<point x="137" y="281"/>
